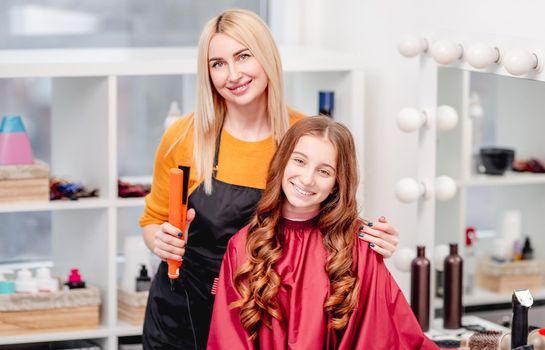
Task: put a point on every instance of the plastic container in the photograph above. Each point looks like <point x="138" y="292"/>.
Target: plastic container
<point x="45" y="282"/>
<point x="326" y="103"/>
<point x="25" y="283"/>
<point x="420" y="288"/>
<point x="74" y="280"/>
<point x="143" y="282"/>
<point x="452" y="300"/>
<point x="15" y="146"/>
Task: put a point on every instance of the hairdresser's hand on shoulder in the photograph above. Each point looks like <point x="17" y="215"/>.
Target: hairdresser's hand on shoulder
<point x="382" y="237"/>
<point x="167" y="242"/>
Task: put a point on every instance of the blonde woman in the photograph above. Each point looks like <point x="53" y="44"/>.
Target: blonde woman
<point x="297" y="277"/>
<point x="240" y="117"/>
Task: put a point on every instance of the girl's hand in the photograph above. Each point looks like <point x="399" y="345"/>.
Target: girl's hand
<point x="167" y="242"/>
<point x="382" y="237"/>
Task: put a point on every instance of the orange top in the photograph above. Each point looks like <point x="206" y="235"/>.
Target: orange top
<point x="248" y="164"/>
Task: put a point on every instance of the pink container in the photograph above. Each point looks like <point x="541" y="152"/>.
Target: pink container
<point x="15" y="149"/>
<point x="14" y="143"/>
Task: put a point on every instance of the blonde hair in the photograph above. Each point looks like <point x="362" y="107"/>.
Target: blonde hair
<point x="257" y="281"/>
<point x="210" y="109"/>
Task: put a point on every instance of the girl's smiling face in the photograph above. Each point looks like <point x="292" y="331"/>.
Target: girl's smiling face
<point x="310" y="174"/>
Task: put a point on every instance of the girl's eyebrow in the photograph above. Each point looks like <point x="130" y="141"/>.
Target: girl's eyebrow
<point x="235" y="54"/>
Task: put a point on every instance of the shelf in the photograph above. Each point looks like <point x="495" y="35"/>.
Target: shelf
<point x="437" y="331"/>
<point x="84" y="203"/>
<point x="86" y="109"/>
<point x="509" y="179"/>
<point x="150" y="61"/>
<point x="484" y="297"/>
<point x="130" y="202"/>
<point x="100" y="332"/>
<point x="126" y="329"/>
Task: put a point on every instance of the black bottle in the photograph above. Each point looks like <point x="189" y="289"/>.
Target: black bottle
<point x="143" y="282"/>
<point x="452" y="299"/>
<point x="527" y="250"/>
<point x="420" y="288"/>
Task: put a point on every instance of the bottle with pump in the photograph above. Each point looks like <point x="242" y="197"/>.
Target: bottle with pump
<point x="420" y="288"/>
<point x="74" y="280"/>
<point x="174" y="114"/>
<point x="143" y="282"/>
<point x="25" y="282"/>
<point x="452" y="299"/>
<point x="45" y="282"/>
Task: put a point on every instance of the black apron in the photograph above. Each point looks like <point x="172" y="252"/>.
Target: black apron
<point x="219" y="215"/>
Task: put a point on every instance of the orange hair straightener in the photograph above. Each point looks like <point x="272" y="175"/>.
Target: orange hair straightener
<point x="177" y="211"/>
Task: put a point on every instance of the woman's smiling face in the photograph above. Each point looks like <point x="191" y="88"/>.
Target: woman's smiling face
<point x="235" y="73"/>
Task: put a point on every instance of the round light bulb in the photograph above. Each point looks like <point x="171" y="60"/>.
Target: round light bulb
<point x="446" y="51"/>
<point x="408" y="190"/>
<point x="519" y="62"/>
<point x="403" y="259"/>
<point x="412" y="46"/>
<point x="481" y="56"/>
<point x="447" y="117"/>
<point x="445" y="188"/>
<point x="410" y="119"/>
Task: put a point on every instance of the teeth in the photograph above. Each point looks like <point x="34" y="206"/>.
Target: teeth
<point x="241" y="87"/>
<point x="301" y="191"/>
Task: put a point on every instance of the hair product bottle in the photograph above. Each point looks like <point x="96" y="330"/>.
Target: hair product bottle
<point x="452" y="300"/>
<point x="326" y="103"/>
<point x="420" y="287"/>
<point x="143" y="282"/>
<point x="74" y="280"/>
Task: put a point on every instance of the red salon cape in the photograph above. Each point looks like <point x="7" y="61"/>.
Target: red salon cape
<point x="383" y="318"/>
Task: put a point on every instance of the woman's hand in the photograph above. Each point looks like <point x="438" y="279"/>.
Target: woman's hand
<point x="382" y="237"/>
<point x="167" y="243"/>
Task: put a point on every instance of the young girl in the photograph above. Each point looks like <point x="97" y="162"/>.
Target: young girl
<point x="297" y="277"/>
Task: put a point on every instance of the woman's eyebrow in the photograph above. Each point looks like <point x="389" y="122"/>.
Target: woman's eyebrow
<point x="235" y="54"/>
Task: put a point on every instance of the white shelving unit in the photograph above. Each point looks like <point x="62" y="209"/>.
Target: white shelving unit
<point x="84" y="123"/>
<point x="513" y="109"/>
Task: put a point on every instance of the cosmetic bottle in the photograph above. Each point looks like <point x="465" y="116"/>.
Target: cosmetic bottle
<point x="6" y="286"/>
<point x="174" y="114"/>
<point x="420" y="288"/>
<point x="470" y="260"/>
<point x="326" y="103"/>
<point x="527" y="250"/>
<point x="15" y="147"/>
<point x="25" y="283"/>
<point x="143" y="282"/>
<point x="45" y="282"/>
<point x="452" y="299"/>
<point x="74" y="280"/>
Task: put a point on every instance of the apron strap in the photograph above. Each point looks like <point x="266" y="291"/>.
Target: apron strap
<point x="217" y="151"/>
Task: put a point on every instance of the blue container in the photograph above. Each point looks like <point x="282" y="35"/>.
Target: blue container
<point x="7" y="287"/>
<point x="327" y="103"/>
<point x="12" y="124"/>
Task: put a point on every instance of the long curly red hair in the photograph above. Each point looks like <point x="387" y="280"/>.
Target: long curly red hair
<point x="257" y="281"/>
